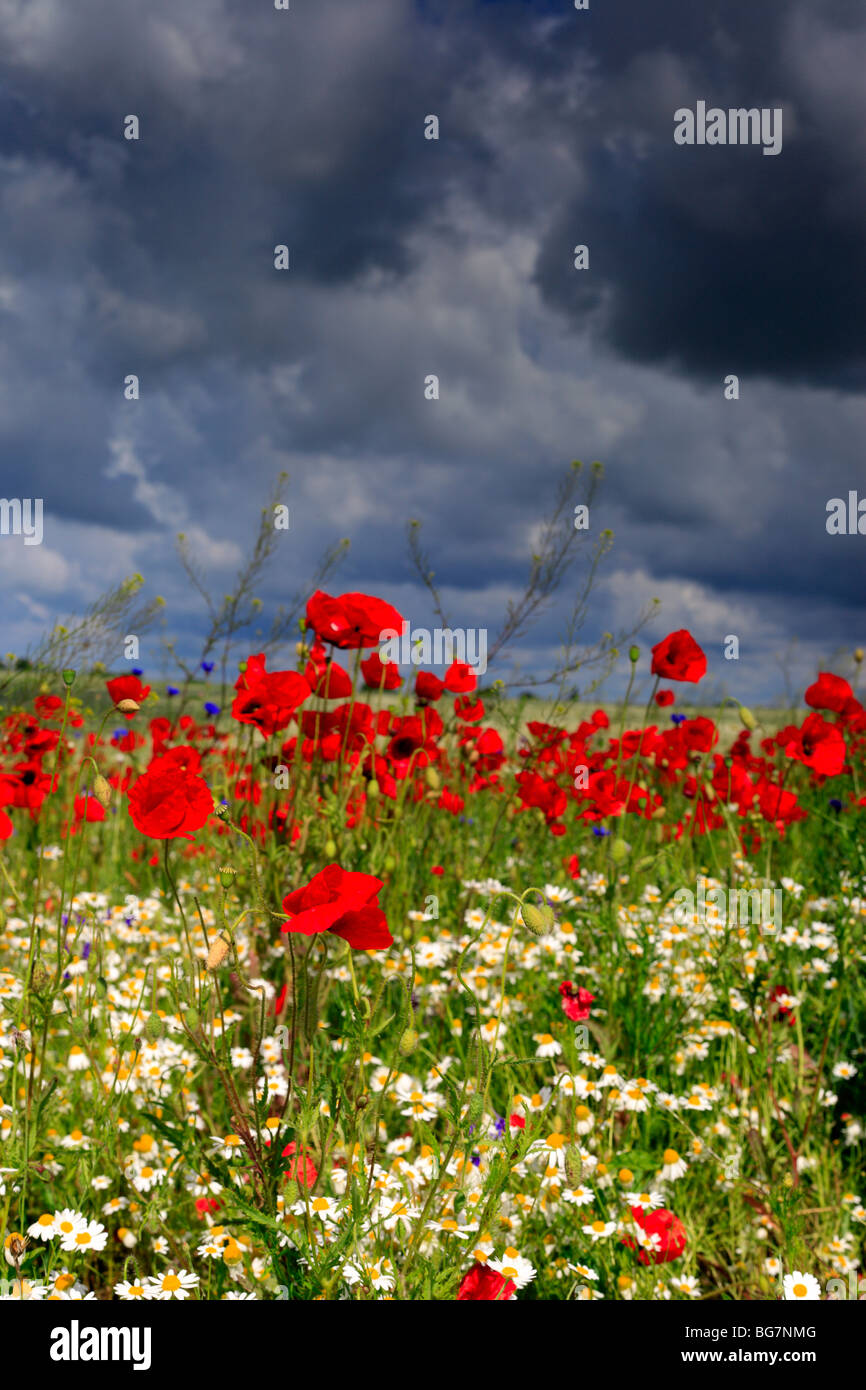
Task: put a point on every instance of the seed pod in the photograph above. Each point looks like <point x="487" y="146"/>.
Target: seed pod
<point x="227" y="875"/>
<point x="634" y="654"/>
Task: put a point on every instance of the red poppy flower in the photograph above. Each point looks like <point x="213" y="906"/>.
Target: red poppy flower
<point x="379" y="674"/>
<point x="460" y="678"/>
<point x="575" y="1001"/>
<point x="664" y="698"/>
<point x="306" y="1176"/>
<point x="267" y="699"/>
<point x="833" y="693"/>
<point x="168" y="801"/>
<point x="484" y="1284"/>
<point x="344" y="903"/>
<point x="679" y="658"/>
<point x="351" y="620"/>
<point x="428" y="686"/>
<point x="669" y="1230"/>
<point x="819" y="745"/>
<point x="127" y="688"/>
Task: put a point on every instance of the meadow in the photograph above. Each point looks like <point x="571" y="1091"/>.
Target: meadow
<point x="353" y="983"/>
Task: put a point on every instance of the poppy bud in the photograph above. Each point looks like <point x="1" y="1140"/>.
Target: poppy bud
<point x="102" y="791"/>
<point x="154" y="1028"/>
<point x="573" y="1164"/>
<point x="192" y="1019"/>
<point x="217" y="953"/>
<point x="40" y="977"/>
<point x="538" y="920"/>
<point x="408" y="1042"/>
<point x="128" y="706"/>
<point x="432" y="778"/>
<point x="68" y="677"/>
<point x="330" y="848"/>
<point x="390" y="864"/>
<point x="748" y="718"/>
<point x="373" y="789"/>
<point x="858" y="655"/>
<point x="475" y="1111"/>
<point x="634" y="654"/>
<point x="618" y="850"/>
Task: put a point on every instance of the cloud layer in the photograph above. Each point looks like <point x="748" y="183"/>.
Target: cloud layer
<point x="454" y="257"/>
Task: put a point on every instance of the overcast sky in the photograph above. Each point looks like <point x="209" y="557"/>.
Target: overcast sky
<point x="455" y="257"/>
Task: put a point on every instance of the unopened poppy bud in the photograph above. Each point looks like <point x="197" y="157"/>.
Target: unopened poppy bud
<point x="330" y="848"/>
<point x="573" y="1164"/>
<point x="218" y="951"/>
<point x="291" y="1192"/>
<point x="538" y="920"/>
<point x="192" y="1019"/>
<point x="68" y="677"/>
<point x="390" y="864"/>
<point x="14" y="1248"/>
<point x="373" y="789"/>
<point x="408" y="1042"/>
<point x="102" y="791"/>
<point x="154" y="1028"/>
<point x="634" y="654"/>
<point x="748" y="718"/>
<point x="475" y="1111"/>
<point x="222" y="811"/>
<point x="432" y="778"/>
<point x="40" y="977"/>
<point x="227" y="874"/>
<point x="858" y="655"/>
<point x="128" y="706"/>
<point x="618" y="850"/>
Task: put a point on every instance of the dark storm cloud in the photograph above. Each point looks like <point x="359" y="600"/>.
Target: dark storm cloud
<point x="454" y="257"/>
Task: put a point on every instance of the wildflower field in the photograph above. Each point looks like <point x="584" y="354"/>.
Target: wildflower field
<point x="350" y="982"/>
